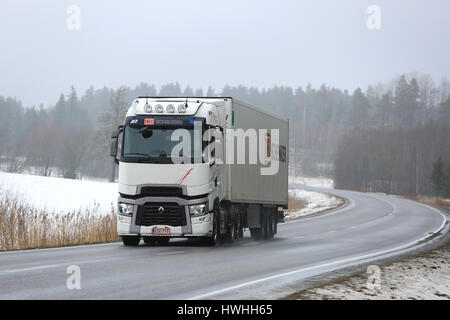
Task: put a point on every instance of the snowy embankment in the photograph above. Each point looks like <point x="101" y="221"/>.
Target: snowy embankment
<point x="425" y="277"/>
<point x="60" y="195"/>
<point x="313" y="182"/>
<point x="315" y="202"/>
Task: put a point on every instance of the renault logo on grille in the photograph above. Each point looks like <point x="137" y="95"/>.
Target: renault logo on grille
<point x="161" y="209"/>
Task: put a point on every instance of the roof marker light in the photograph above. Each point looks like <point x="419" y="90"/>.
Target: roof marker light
<point x="170" y="108"/>
<point x="182" y="108"/>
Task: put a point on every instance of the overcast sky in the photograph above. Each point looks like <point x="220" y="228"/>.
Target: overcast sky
<point x="200" y="43"/>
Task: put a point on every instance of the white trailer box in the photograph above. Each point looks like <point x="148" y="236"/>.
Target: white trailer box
<point x="246" y="181"/>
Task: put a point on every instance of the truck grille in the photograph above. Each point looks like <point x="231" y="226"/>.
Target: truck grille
<point x="150" y="214"/>
<point x="161" y="192"/>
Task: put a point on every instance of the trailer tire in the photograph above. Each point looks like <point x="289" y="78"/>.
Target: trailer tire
<point x="237" y="221"/>
<point x="270" y="225"/>
<point x="231" y="228"/>
<point x="265" y="224"/>
<point x="131" y="240"/>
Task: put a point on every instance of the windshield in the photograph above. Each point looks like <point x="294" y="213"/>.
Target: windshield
<point x="155" y="145"/>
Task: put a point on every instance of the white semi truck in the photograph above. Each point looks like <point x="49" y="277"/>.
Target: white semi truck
<point x="200" y="167"/>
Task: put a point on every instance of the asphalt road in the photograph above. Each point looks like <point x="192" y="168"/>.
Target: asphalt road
<point x="369" y="227"/>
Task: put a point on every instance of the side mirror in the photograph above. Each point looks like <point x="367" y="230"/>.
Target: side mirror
<point x="114" y="142"/>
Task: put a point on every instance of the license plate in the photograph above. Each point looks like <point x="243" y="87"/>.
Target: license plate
<point x="161" y="231"/>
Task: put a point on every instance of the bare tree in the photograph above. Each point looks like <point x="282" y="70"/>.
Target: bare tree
<point x="118" y="106"/>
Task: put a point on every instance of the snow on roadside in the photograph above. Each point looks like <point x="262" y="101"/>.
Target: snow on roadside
<point x="426" y="277"/>
<point x="61" y="195"/>
<point x="313" y="182"/>
<point x="316" y="202"/>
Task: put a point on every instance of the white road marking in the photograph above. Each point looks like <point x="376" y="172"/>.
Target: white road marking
<point x="37" y="250"/>
<point x="33" y="268"/>
<point x="167" y="253"/>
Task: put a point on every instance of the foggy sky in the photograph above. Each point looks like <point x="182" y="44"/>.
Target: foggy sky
<point x="201" y="43"/>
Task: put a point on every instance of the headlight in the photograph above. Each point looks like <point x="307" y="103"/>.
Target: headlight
<point x="159" y="108"/>
<point x="125" y="209"/>
<point x="198" y="209"/>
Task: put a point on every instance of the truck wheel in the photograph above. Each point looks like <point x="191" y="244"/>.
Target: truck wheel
<point x="214" y="238"/>
<point x="131" y="240"/>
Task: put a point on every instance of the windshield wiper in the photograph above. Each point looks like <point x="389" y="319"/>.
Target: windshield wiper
<point x="137" y="154"/>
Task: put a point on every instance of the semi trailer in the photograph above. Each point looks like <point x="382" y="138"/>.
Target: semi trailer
<point x="200" y="167"/>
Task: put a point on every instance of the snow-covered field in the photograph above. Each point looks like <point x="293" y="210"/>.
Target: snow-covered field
<point x="60" y="195"/>
<point x="313" y="182"/>
<point x="426" y="277"/>
<point x="316" y="202"/>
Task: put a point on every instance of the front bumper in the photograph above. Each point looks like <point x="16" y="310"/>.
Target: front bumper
<point x="192" y="226"/>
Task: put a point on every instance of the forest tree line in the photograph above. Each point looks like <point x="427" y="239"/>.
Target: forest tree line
<point x="385" y="138"/>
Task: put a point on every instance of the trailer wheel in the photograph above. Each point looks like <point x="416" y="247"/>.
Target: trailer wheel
<point x="131" y="240"/>
<point x="270" y="225"/>
<point x="237" y="218"/>
<point x="265" y="224"/>
<point x="231" y="228"/>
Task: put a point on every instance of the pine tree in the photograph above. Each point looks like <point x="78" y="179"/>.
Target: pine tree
<point x="437" y="176"/>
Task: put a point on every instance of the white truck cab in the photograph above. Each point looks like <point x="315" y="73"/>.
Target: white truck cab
<point x="176" y="176"/>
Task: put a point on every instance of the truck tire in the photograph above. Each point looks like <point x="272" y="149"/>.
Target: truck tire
<point x="131" y="240"/>
<point x="214" y="238"/>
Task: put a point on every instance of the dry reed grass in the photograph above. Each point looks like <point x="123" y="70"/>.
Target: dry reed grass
<point x="25" y="227"/>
